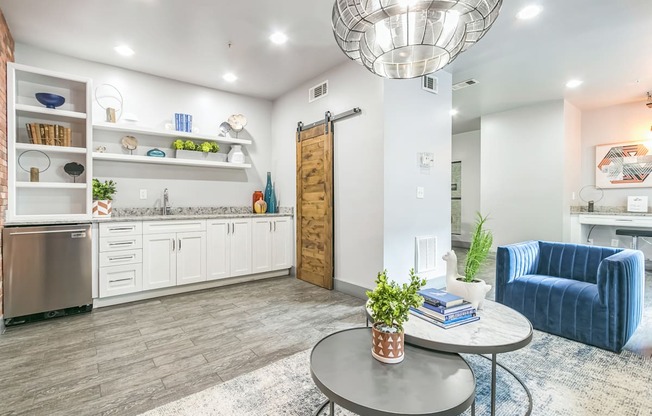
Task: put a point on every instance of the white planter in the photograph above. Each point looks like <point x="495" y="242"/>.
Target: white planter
<point x="473" y="292"/>
<point x="189" y="154"/>
<point x="216" y="157"/>
<point x="236" y="155"/>
<point x="102" y="208"/>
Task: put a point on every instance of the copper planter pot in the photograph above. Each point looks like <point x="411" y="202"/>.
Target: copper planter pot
<point x="387" y="348"/>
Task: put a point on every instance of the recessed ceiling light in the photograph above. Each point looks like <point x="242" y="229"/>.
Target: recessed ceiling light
<point x="124" y="50"/>
<point x="278" y="38"/>
<point x="230" y="77"/>
<point x="574" y="83"/>
<point x="454" y="112"/>
<point x="529" y="12"/>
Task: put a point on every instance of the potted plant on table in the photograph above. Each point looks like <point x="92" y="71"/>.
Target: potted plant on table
<point x="103" y="193"/>
<point x="390" y="305"/>
<point x="468" y="286"/>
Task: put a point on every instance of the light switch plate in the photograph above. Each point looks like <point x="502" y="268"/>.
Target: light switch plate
<point x="420" y="192"/>
<point x="143" y="194"/>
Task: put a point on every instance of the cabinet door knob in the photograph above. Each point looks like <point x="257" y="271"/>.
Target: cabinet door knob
<point x="179" y="244"/>
<point x="174" y="242"/>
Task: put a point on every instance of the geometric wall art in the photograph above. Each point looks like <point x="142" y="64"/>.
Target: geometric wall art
<point x="623" y="165"/>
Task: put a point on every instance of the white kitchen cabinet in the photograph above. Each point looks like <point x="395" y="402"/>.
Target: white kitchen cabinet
<point x="173" y="256"/>
<point x="228" y="248"/>
<point x="261" y="249"/>
<point x="191" y="257"/>
<point x="282" y="243"/>
<point x="272" y="244"/>
<point x="159" y="261"/>
<point x="119" y="258"/>
<point x="120" y="280"/>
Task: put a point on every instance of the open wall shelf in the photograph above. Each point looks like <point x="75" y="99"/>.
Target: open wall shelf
<point x="135" y="129"/>
<point x="168" y="161"/>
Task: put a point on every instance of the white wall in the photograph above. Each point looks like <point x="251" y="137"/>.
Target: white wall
<point x="522" y="170"/>
<point x="466" y="149"/>
<point x="155" y="100"/>
<point x="616" y="124"/>
<point x="358" y="164"/>
<point x="572" y="154"/>
<point x="416" y="121"/>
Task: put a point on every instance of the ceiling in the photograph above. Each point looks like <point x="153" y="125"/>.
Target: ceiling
<point x="606" y="44"/>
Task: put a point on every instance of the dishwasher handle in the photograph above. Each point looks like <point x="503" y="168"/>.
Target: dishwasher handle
<point x="82" y="231"/>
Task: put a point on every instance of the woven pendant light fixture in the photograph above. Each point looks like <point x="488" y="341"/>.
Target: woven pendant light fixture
<point x="410" y="38"/>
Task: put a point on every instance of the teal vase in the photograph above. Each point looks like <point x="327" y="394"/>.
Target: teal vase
<point x="269" y="190"/>
<point x="271" y="207"/>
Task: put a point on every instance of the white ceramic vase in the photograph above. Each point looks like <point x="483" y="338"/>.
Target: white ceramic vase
<point x="236" y="155"/>
<point x="473" y="292"/>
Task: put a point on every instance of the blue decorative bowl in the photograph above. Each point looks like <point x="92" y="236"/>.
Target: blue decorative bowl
<point x="50" y="100"/>
<point x="156" y="153"/>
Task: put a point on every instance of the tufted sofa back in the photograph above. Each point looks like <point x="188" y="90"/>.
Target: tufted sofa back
<point x="572" y="261"/>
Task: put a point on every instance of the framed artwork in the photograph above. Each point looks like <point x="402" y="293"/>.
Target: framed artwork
<point x="623" y="165"/>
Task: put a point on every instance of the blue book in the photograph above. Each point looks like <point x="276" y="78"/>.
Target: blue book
<point x="447" y="317"/>
<point x="189" y="126"/>
<point x="182" y="118"/>
<point x="446" y="325"/>
<point x="444" y="310"/>
<point x="441" y="297"/>
<point x="177" y="122"/>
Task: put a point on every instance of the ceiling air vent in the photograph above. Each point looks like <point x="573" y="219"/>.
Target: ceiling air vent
<point x="318" y="91"/>
<point x="464" y="84"/>
<point x="430" y="84"/>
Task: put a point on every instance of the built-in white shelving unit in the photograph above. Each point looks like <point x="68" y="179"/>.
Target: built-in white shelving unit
<point x="135" y="129"/>
<point x="168" y="161"/>
<point x="55" y="195"/>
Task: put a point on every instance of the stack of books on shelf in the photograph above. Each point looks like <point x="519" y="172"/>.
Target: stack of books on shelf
<point x="444" y="309"/>
<point x="49" y="134"/>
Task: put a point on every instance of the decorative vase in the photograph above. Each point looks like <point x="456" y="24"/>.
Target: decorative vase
<point x="473" y="292"/>
<point x="268" y="189"/>
<point x="236" y="155"/>
<point x="258" y="195"/>
<point x="271" y="207"/>
<point x="102" y="208"/>
<point x="388" y="348"/>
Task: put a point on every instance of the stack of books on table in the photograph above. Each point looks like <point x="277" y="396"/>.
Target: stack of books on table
<point x="444" y="309"/>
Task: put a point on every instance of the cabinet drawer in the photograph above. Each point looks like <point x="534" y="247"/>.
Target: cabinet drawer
<point x="119" y="280"/>
<point x="116" y="229"/>
<point x="114" y="258"/>
<point x="164" y="226"/>
<point x="121" y="243"/>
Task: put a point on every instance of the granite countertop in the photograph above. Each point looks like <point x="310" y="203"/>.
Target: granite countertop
<point x="154" y="214"/>
<point x="181" y="217"/>
<point x="576" y="210"/>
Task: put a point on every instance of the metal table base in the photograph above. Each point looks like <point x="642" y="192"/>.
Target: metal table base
<point x="331" y="410"/>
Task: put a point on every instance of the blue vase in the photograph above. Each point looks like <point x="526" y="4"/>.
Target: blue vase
<point x="268" y="192"/>
<point x="271" y="208"/>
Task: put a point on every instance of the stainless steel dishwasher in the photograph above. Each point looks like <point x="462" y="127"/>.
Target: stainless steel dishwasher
<point x="47" y="271"/>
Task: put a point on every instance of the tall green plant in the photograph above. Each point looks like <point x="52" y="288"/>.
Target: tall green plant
<point x="390" y="302"/>
<point x="480" y="245"/>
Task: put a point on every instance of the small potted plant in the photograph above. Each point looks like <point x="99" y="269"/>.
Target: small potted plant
<point x="390" y="305"/>
<point x="213" y="154"/>
<point x="102" y="197"/>
<point x="468" y="286"/>
<point x="187" y="149"/>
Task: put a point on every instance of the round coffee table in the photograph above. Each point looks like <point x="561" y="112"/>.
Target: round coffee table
<point x="500" y="329"/>
<point x="425" y="383"/>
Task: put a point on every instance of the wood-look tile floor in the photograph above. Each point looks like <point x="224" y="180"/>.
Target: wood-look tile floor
<point x="127" y="359"/>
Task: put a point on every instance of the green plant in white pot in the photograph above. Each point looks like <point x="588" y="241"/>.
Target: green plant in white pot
<point x="469" y="286"/>
<point x="390" y="305"/>
<point x="103" y="193"/>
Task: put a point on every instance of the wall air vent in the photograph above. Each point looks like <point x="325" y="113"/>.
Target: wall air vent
<point x="464" y="84"/>
<point x="318" y="91"/>
<point x="430" y="84"/>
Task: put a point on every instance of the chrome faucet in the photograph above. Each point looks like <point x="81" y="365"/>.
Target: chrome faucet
<point x="166" y="202"/>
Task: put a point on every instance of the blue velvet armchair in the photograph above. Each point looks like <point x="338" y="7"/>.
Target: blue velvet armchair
<point x="585" y="293"/>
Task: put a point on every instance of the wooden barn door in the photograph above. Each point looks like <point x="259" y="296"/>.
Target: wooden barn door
<point x="315" y="205"/>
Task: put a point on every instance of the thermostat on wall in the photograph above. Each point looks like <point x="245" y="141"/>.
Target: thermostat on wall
<point x="637" y="204"/>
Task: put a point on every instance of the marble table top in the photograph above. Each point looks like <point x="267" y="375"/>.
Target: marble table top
<point x="500" y="329"/>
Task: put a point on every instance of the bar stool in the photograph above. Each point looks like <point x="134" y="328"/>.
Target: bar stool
<point x="635" y="234"/>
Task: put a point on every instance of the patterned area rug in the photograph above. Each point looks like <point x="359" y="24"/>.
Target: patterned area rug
<point x="565" y="378"/>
